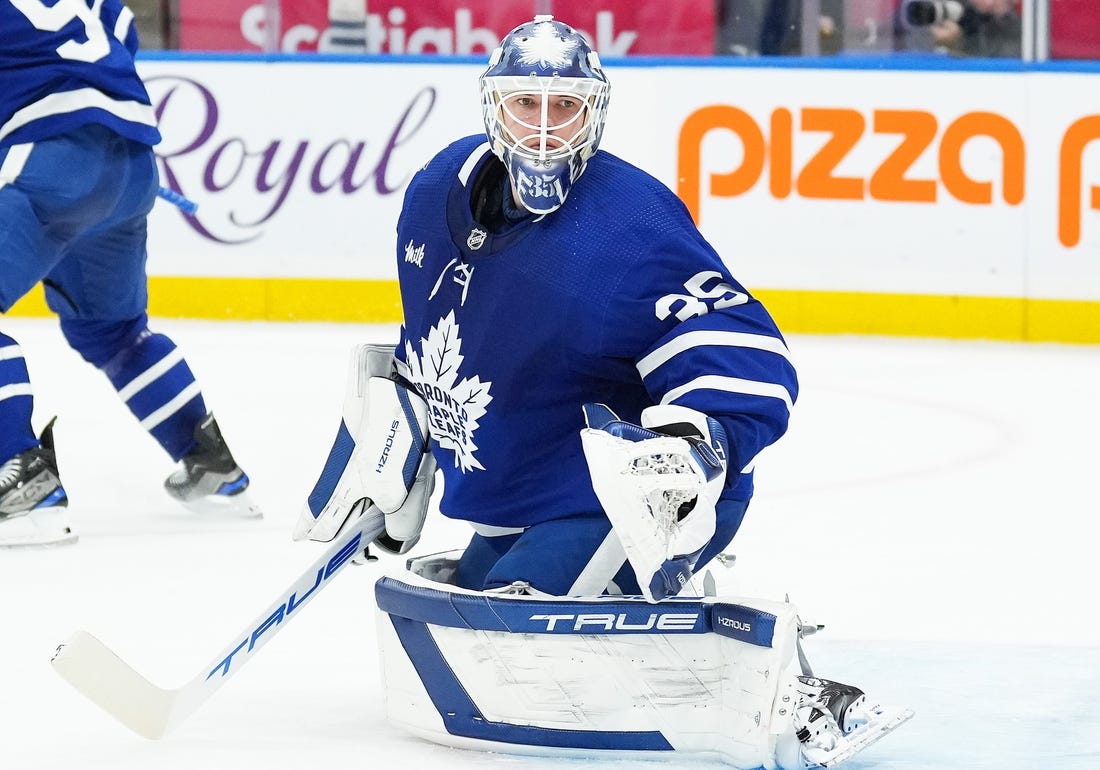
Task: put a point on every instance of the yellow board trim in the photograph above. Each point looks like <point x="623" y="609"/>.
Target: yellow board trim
<point x="932" y="315"/>
<point x="796" y="311"/>
<point x="259" y="299"/>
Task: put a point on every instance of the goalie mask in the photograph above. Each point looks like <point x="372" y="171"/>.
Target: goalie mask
<point x="544" y="100"/>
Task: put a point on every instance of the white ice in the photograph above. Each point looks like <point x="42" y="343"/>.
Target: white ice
<point x="935" y="505"/>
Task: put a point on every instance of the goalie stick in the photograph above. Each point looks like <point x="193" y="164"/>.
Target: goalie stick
<point x="151" y="711"/>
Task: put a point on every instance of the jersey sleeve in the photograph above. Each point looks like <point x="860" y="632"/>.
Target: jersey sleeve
<point x="119" y="20"/>
<point x="65" y="68"/>
<point x="698" y="339"/>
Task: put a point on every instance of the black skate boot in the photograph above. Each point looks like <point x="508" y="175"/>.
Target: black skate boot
<point x="209" y="479"/>
<point x="844" y="702"/>
<point x="32" y="501"/>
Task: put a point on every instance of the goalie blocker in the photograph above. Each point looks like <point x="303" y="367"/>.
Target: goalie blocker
<point x="380" y="460"/>
<point x="615" y="676"/>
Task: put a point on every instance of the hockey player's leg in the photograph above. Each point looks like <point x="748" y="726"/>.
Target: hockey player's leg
<point x="31" y="241"/>
<point x="156" y="384"/>
<point x="479" y="556"/>
<point x="99" y="290"/>
<point x="209" y="479"/>
<point x="16" y="401"/>
<point x="32" y="501"/>
<point x="574" y="556"/>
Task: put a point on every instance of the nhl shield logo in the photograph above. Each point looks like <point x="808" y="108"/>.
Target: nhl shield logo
<point x="476" y="239"/>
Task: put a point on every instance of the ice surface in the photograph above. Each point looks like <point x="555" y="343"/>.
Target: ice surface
<point x="935" y="505"/>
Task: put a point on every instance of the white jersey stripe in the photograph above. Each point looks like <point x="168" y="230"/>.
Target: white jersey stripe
<point x="488" y="530"/>
<point x="731" y="385"/>
<point x="471" y="163"/>
<point x="173" y="406"/>
<point x="701" y="338"/>
<point x="82" y="98"/>
<point x="9" y="352"/>
<point x="153" y="372"/>
<point x="122" y="24"/>
<point x="14" y="162"/>
<point x="15" y="389"/>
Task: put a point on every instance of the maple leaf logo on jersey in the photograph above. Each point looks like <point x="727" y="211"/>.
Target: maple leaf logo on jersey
<point x="545" y="47"/>
<point x="455" y="406"/>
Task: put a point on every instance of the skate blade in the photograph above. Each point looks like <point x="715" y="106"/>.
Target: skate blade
<point x="884" y="720"/>
<point x="42" y="528"/>
<point x="238" y="506"/>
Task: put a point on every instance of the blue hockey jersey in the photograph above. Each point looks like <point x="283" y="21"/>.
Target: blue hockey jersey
<point x="67" y="64"/>
<point x="614" y="298"/>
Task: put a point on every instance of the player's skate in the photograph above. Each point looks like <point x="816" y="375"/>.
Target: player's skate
<point x="32" y="501"/>
<point x="209" y="479"/>
<point x="835" y="721"/>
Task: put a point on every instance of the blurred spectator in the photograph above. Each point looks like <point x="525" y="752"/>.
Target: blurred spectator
<point x="738" y="27"/>
<point x="991" y="28"/>
<point x="978" y="28"/>
<point x="782" y="32"/>
<point x="775" y="27"/>
<point x="154" y="23"/>
<point x="781" y="28"/>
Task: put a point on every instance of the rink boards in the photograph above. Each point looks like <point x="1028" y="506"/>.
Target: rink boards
<point x="878" y="196"/>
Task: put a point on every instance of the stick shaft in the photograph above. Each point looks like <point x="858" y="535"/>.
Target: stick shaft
<point x="112" y="684"/>
<point x="186" y="205"/>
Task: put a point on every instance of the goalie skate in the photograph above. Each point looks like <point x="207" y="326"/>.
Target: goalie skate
<point x="836" y="721"/>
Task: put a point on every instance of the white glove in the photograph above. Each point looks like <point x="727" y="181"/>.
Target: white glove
<point x="659" y="483"/>
<point x="708" y="460"/>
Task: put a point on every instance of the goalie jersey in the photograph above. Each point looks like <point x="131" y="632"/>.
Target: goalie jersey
<point x="69" y="64"/>
<point x="614" y="298"/>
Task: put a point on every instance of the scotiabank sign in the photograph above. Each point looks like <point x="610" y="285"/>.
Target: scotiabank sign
<point x="460" y="27"/>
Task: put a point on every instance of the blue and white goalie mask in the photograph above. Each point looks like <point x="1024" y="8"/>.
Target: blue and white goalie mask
<point x="544" y="101"/>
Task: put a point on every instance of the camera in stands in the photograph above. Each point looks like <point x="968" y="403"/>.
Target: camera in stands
<point x="922" y="13"/>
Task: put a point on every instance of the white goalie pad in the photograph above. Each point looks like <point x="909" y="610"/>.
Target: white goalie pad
<point x="616" y="677"/>
<point x="378" y="453"/>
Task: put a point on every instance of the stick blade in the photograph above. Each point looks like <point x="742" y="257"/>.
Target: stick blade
<point x="108" y="681"/>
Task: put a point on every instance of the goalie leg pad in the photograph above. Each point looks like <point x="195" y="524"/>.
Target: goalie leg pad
<point x="617" y="676"/>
